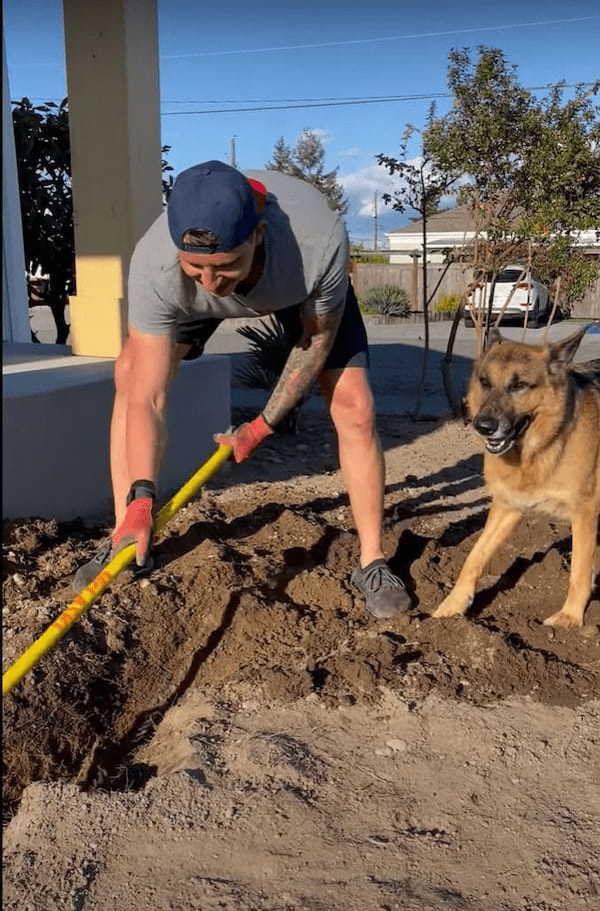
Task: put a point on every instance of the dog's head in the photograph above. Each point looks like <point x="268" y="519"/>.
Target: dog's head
<point x="513" y="383"/>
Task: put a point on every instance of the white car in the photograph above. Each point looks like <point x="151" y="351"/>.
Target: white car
<point x="529" y="294"/>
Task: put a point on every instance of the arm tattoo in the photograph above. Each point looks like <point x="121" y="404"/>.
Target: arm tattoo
<point x="304" y="364"/>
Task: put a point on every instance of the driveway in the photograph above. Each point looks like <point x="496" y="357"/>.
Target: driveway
<point x="396" y="358"/>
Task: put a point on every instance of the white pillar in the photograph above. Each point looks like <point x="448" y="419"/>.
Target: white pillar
<point x="15" y="307"/>
<point x="114" y="122"/>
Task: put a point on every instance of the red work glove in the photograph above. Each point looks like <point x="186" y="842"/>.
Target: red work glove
<point x="244" y="439"/>
<point x="136" y="528"/>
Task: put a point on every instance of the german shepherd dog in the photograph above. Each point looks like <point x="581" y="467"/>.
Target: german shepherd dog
<point x="539" y="416"/>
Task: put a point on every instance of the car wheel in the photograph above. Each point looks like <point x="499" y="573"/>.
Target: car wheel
<point x="535" y="321"/>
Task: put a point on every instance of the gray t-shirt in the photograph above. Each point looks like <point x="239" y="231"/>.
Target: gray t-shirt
<point x="306" y="258"/>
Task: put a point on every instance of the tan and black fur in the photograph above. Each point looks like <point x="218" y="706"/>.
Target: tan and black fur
<point x="540" y="418"/>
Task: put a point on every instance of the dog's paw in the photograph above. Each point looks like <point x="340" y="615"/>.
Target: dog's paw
<point x="455" y="605"/>
<point x="563" y="619"/>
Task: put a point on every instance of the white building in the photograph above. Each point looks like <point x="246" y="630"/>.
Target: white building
<point x="448" y="230"/>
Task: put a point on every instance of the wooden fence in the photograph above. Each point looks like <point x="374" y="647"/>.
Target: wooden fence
<point x="405" y="275"/>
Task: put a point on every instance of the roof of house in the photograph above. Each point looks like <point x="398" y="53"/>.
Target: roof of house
<point x="456" y="219"/>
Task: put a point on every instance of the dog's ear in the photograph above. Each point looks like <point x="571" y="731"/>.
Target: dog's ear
<point x="562" y="353"/>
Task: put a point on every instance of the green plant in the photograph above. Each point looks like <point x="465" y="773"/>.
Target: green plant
<point x="306" y="160"/>
<point x="448" y="303"/>
<point x="385" y="300"/>
<point x="270" y="346"/>
<point x="44" y="168"/>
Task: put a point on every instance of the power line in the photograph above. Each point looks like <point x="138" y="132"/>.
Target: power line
<point x="324" y="101"/>
<point x="353" y="41"/>
<point x="458" y="31"/>
<point x="383" y="99"/>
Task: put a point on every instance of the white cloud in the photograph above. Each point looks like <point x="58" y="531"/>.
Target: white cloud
<point x="353" y="152"/>
<point x="360" y="188"/>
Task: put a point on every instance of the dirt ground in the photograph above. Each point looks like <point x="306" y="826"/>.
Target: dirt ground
<point x="236" y="733"/>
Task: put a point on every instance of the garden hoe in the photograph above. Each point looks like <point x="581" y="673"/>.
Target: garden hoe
<point x="97" y="586"/>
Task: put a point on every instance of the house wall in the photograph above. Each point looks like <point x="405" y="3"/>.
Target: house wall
<point x="370" y="275"/>
<point x="407" y="258"/>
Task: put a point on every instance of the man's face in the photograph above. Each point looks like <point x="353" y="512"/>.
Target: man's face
<point x="219" y="273"/>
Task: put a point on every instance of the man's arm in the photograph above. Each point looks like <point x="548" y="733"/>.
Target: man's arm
<point x="151" y="360"/>
<point x="305" y="362"/>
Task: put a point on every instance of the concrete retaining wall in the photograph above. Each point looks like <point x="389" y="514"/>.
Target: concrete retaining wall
<point x="56" y="429"/>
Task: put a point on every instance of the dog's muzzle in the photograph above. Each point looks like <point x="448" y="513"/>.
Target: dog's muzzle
<point x="499" y="436"/>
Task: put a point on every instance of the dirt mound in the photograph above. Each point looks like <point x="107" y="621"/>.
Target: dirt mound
<point x="253" y="596"/>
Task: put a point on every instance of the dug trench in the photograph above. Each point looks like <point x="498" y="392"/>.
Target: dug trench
<point x="252" y="595"/>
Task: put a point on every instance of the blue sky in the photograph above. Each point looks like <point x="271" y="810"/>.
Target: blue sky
<point x="236" y="54"/>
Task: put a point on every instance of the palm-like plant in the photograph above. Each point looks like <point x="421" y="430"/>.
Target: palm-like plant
<point x="270" y="346"/>
<point x="386" y="301"/>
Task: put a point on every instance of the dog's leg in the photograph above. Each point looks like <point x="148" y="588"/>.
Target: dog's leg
<point x="585" y="531"/>
<point x="500" y="522"/>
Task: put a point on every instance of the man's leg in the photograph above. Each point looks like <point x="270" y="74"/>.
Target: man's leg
<point x="350" y="400"/>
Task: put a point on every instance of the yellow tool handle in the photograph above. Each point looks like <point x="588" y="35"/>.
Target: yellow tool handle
<point x="88" y="595"/>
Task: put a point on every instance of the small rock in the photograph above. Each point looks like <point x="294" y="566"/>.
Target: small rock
<point x="144" y="583"/>
<point x="397" y="746"/>
<point x="589" y="631"/>
<point x="18" y="579"/>
<point x="383" y="751"/>
<point x="380" y="841"/>
<point x="302" y="447"/>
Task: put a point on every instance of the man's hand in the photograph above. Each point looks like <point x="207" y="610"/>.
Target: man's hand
<point x="244" y="439"/>
<point x="136" y="528"/>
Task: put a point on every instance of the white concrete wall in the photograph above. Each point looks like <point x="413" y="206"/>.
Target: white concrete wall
<point x="56" y="429"/>
<point x="15" y="308"/>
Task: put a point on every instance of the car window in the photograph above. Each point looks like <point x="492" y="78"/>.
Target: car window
<point x="510" y="275"/>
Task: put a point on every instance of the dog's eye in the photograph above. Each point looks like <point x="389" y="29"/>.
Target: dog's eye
<point x="519" y="386"/>
<point x="485" y="383"/>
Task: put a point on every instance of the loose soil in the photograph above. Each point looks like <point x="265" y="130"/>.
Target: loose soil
<point x="236" y="732"/>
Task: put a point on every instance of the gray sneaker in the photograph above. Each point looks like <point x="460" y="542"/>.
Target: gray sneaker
<point x="385" y="595"/>
<point x="88" y="572"/>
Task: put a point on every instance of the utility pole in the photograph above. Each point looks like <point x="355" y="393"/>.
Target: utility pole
<point x="375" y="220"/>
<point x="232" y="160"/>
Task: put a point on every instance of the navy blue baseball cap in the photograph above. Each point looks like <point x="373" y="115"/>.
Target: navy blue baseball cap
<point x="216" y="198"/>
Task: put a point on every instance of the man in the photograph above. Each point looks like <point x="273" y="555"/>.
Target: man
<point x="229" y="246"/>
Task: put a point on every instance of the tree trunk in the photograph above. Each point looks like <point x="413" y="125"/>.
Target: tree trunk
<point x="447" y="362"/>
<point x="57" y="303"/>
<point x="421" y="383"/>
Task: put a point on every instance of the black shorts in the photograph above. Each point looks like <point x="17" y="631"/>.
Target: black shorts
<point x="350" y="347"/>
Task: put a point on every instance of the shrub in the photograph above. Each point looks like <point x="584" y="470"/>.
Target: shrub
<point x="448" y="303"/>
<point x="270" y="346"/>
<point x="386" y="300"/>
